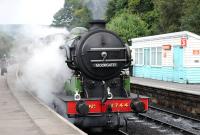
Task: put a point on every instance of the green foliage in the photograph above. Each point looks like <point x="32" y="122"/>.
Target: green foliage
<point x="191" y="16"/>
<point x="142" y="8"/>
<point x="81" y="18"/>
<point x="133" y="3"/>
<point x="63" y="17"/>
<point x="73" y="14"/>
<point x="139" y="7"/>
<point x="161" y="16"/>
<point x="128" y="26"/>
<point x="115" y="6"/>
<point x="170" y="14"/>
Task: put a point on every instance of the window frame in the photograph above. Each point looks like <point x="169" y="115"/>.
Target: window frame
<point x="157" y="60"/>
<point x="156" y="56"/>
<point x="139" y="52"/>
<point x="149" y="58"/>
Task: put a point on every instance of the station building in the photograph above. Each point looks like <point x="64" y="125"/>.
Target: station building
<point x="169" y="57"/>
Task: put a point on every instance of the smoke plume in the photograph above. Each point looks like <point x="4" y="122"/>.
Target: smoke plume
<point x="97" y="7"/>
<point x="41" y="61"/>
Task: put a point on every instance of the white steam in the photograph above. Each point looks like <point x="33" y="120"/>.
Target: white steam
<point x="42" y="63"/>
<point x="97" y="7"/>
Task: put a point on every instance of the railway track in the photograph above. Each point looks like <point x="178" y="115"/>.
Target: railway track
<point x="185" y="124"/>
<point x="174" y="114"/>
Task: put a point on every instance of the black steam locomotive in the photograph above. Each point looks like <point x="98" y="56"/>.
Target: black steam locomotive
<point x="98" y="93"/>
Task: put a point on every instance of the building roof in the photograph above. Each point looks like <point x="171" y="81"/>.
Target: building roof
<point x="166" y="36"/>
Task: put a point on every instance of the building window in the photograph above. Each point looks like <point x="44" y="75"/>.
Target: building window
<point x="138" y="56"/>
<point x="153" y="56"/>
<point x="146" y="56"/>
<point x="156" y="56"/>
<point x="159" y="56"/>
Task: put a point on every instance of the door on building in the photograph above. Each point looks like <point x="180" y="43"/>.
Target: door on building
<point x="147" y="67"/>
<point x="178" y="73"/>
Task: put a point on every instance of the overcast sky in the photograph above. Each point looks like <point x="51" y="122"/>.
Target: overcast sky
<point x="28" y="11"/>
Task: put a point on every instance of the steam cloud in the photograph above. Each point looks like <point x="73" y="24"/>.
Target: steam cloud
<point x="97" y="7"/>
<point x="37" y="51"/>
<point x="42" y="63"/>
<point x="36" y="48"/>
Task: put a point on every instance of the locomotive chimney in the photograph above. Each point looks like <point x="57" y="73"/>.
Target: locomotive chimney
<point x="97" y="24"/>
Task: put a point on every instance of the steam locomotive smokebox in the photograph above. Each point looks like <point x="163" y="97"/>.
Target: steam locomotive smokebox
<point x="101" y="54"/>
<point x="97" y="24"/>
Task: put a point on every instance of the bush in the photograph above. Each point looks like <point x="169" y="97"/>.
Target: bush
<point x="128" y="26"/>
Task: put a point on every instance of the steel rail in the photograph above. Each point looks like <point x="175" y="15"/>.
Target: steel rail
<point x="167" y="124"/>
<point x="120" y="132"/>
<point x="175" y="114"/>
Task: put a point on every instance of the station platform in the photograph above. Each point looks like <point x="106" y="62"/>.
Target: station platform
<point x="193" y="89"/>
<point x="23" y="114"/>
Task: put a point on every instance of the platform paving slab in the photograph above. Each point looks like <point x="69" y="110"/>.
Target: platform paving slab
<point x="23" y="114"/>
<point x="13" y="119"/>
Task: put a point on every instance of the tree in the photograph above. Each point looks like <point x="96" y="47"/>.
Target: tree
<point x="191" y="16"/>
<point x="170" y="13"/>
<point x="161" y="16"/>
<point x="142" y="8"/>
<point x="81" y="17"/>
<point x="114" y="7"/>
<point x="63" y="17"/>
<point x="73" y="14"/>
<point x="145" y="9"/>
<point x="128" y="26"/>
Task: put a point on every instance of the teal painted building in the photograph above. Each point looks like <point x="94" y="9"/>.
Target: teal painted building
<point x="169" y="57"/>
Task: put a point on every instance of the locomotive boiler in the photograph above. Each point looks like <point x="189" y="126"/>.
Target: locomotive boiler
<point x="98" y="93"/>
